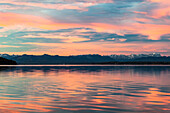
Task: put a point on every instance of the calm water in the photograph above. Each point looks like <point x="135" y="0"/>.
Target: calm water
<point x="85" y="89"/>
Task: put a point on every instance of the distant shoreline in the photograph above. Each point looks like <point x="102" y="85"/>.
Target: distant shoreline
<point x="27" y="65"/>
<point x="135" y="63"/>
<point x="94" y="59"/>
<point x="108" y="63"/>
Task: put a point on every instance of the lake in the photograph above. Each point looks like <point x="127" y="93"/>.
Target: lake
<point x="84" y="89"/>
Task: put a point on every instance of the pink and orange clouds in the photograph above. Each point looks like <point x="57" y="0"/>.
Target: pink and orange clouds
<point x="72" y="25"/>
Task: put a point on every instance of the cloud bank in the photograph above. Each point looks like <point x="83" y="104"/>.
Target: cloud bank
<point x="84" y="26"/>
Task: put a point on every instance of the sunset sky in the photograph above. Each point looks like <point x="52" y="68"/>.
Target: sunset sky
<point x="72" y="27"/>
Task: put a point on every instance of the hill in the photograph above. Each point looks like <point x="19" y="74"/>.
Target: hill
<point x="4" y="61"/>
<point x="47" y="59"/>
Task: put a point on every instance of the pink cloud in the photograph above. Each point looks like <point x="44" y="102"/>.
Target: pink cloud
<point x="138" y="12"/>
<point x="162" y="10"/>
<point x="12" y="19"/>
<point x="104" y="48"/>
<point x="71" y="4"/>
<point x="152" y="30"/>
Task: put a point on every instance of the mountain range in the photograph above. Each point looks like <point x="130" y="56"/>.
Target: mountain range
<point x="86" y="59"/>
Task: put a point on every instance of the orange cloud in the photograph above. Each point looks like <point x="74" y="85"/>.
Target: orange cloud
<point x="102" y="47"/>
<point x="161" y="12"/>
<point x="11" y="19"/>
<point x="5" y="46"/>
<point x="153" y="31"/>
<point x="63" y="38"/>
<point x="159" y="1"/>
<point x="163" y="8"/>
<point x="140" y="12"/>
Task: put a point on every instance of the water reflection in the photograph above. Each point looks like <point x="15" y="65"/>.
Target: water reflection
<point x="85" y="89"/>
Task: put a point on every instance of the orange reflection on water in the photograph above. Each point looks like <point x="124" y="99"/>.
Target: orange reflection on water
<point x="8" y="111"/>
<point x="25" y="105"/>
<point x="74" y="90"/>
<point x="155" y="97"/>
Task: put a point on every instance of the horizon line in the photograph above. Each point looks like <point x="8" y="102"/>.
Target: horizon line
<point x="85" y="54"/>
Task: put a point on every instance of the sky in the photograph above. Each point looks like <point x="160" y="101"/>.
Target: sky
<point x="72" y="27"/>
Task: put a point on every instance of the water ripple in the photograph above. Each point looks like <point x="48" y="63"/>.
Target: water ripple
<point x="85" y="90"/>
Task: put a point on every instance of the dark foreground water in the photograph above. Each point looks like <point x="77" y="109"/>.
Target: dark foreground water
<point x="85" y="89"/>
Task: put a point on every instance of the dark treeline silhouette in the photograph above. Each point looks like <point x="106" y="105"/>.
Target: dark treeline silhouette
<point x="4" y="61"/>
